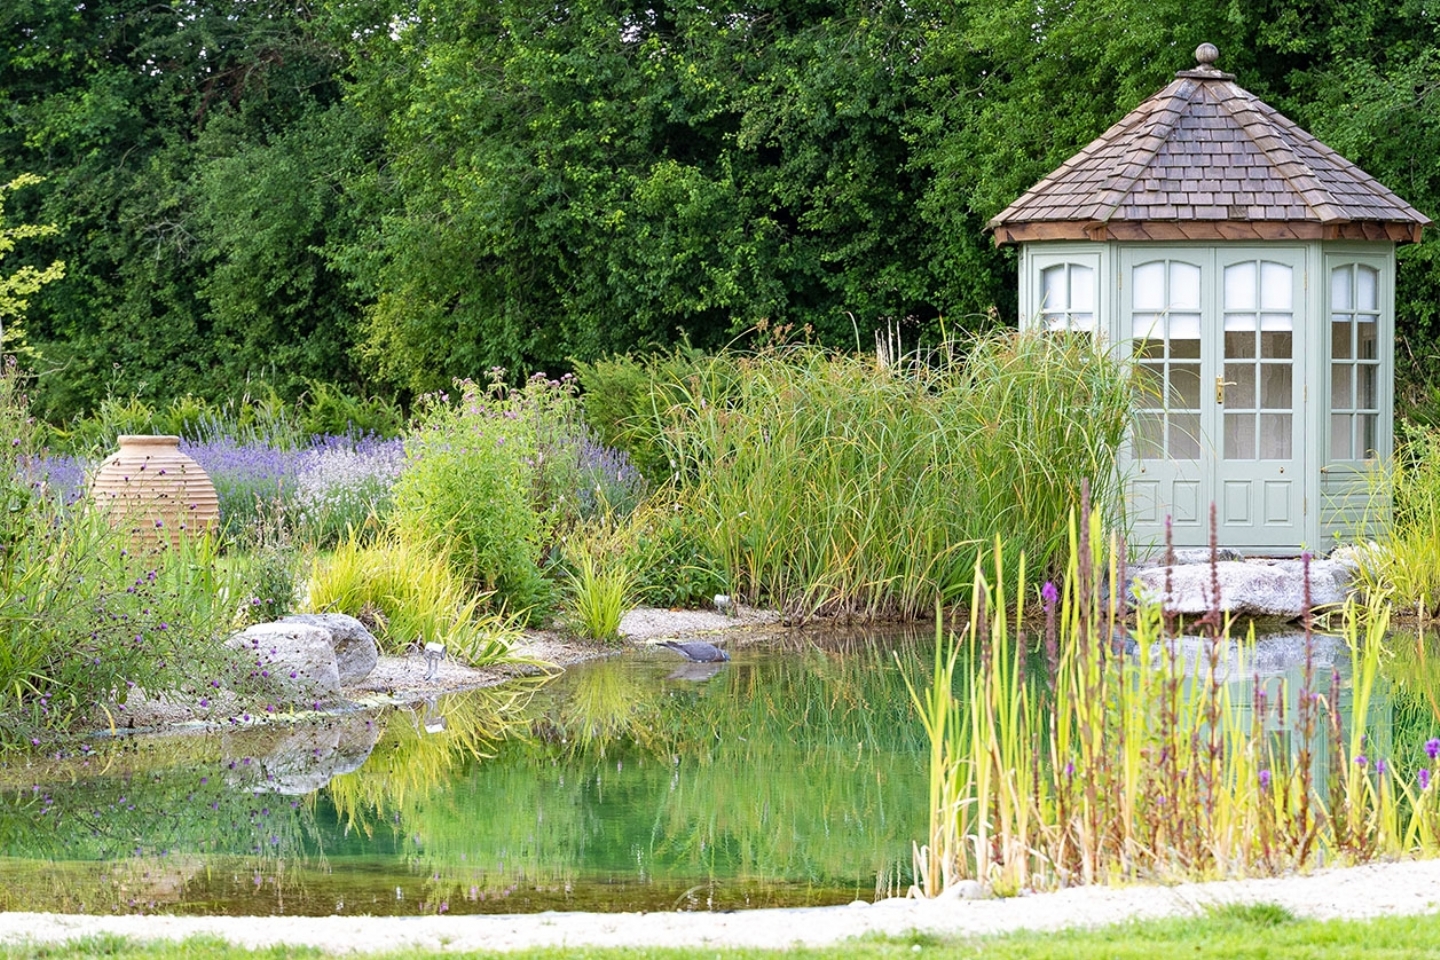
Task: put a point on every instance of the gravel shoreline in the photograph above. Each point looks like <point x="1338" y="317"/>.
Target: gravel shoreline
<point x="1355" y="893"/>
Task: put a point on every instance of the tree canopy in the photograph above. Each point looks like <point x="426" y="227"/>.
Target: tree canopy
<point x="386" y="194"/>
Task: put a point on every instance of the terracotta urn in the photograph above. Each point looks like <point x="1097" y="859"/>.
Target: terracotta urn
<point x="154" y="491"/>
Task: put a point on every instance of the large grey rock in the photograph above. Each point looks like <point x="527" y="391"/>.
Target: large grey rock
<point x="356" y="651"/>
<point x="296" y="657"/>
<point x="1253" y="588"/>
<point x="298" y="759"/>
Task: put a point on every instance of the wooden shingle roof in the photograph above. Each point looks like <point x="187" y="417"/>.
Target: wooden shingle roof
<point x="1204" y="159"/>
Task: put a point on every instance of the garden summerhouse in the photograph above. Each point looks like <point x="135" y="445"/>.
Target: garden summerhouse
<point x="1249" y="270"/>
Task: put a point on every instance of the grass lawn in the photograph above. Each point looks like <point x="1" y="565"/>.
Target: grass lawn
<point x="1238" y="932"/>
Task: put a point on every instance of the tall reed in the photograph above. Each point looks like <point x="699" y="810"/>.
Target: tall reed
<point x="833" y="484"/>
<point x="1144" y="760"/>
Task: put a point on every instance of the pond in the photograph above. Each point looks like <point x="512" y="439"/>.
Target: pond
<point x="792" y="776"/>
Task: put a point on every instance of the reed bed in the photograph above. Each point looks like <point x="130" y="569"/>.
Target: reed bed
<point x="1137" y="758"/>
<point x="835" y="484"/>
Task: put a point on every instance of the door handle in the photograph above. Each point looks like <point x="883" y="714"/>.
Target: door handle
<point x="1220" y="384"/>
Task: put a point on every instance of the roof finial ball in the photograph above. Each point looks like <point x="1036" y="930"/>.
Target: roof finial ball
<point x="1206" y="54"/>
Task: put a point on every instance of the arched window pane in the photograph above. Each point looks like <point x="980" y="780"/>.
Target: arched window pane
<point x="1367" y="283"/>
<point x="1276" y="290"/>
<point x="1240" y="287"/>
<point x="1184" y="286"/>
<point x="1150" y="286"/>
<point x="1052" y="286"/>
<point x="1082" y="289"/>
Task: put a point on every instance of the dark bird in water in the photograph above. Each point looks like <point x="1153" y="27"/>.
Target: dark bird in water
<point x="696" y="651"/>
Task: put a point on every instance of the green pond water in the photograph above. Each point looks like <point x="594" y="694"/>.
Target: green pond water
<point x="793" y="775"/>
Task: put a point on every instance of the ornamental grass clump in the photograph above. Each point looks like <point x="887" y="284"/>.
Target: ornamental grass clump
<point x="599" y="583"/>
<point x="407" y="594"/>
<point x="1404" y="565"/>
<point x="832" y="484"/>
<point x="1145" y="763"/>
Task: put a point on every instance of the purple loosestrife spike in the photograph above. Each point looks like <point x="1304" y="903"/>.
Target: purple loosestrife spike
<point x="1360" y="761"/>
<point x="1264" y="779"/>
<point x="1049" y="593"/>
<point x="1381" y="766"/>
<point x="1432" y="748"/>
<point x="1424" y="777"/>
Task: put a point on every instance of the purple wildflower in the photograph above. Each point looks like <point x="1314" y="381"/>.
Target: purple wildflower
<point x="1360" y="761"/>
<point x="1264" y="779"/>
<point x="1432" y="748"/>
<point x="1049" y="594"/>
<point x="1424" y="777"/>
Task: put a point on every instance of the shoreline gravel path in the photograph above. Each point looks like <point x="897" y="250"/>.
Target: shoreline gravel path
<point x="1406" y="887"/>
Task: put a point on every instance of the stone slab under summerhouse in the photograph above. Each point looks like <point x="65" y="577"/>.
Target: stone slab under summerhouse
<point x="1248" y="271"/>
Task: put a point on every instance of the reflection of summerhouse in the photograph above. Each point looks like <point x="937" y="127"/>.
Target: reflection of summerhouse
<point x="1211" y="238"/>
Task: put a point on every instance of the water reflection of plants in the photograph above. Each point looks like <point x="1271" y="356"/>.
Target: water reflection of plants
<point x="138" y="822"/>
<point x="796" y="770"/>
<point x="420" y="751"/>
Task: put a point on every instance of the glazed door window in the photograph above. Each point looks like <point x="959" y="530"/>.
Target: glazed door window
<point x="1165" y="327"/>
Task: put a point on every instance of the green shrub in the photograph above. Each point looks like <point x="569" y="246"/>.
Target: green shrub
<point x="669" y="555"/>
<point x="629" y="403"/>
<point x="467" y="485"/>
<point x="328" y="411"/>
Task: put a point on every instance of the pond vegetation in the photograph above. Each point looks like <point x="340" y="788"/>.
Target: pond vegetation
<point x="819" y="483"/>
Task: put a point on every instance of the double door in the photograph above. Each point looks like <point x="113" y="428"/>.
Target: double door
<point x="1217" y="337"/>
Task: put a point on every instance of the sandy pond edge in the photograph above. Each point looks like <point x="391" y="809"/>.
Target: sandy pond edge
<point x="1356" y="892"/>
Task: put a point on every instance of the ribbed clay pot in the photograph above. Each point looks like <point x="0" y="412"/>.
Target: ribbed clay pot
<point x="154" y="491"/>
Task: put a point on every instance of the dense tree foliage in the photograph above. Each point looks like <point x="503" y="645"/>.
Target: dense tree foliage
<point x="385" y="194"/>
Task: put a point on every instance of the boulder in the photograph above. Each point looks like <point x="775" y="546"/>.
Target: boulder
<point x="296" y="657"/>
<point x="1252" y="588"/>
<point x="356" y="651"/>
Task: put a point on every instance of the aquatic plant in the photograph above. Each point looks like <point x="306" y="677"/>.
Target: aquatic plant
<point x="1405" y="509"/>
<point x="832" y="484"/>
<point x="1148" y="765"/>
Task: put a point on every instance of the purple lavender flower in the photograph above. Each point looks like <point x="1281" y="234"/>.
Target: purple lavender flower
<point x="343" y="481"/>
<point x="1381" y="766"/>
<point x="1432" y="748"/>
<point x="1049" y="594"/>
<point x="1264" y="779"/>
<point x="60" y="477"/>
<point x="1361" y="761"/>
<point x="1424" y="777"/>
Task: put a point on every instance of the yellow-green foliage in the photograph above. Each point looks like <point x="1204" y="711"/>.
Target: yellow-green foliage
<point x="1149" y="765"/>
<point x="408" y="593"/>
<point x="599" y="584"/>
<point x="1406" y="566"/>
